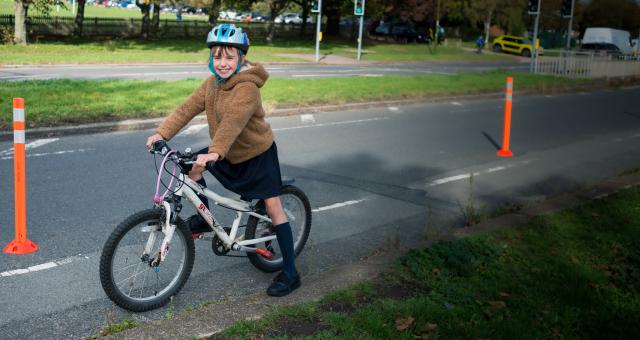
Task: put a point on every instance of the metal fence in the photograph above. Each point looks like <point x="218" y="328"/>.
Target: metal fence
<point x="587" y="65"/>
<point x="40" y="26"/>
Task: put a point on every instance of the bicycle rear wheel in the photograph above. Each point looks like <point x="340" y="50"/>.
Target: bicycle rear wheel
<point x="298" y="210"/>
<point x="127" y="275"/>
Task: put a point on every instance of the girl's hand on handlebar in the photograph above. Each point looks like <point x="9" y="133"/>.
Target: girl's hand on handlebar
<point x="203" y="159"/>
<point x="153" y="139"/>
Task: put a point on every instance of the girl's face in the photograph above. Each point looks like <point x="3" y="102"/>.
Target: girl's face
<point x="225" y="60"/>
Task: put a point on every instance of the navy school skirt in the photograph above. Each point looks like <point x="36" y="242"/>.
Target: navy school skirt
<point x="256" y="178"/>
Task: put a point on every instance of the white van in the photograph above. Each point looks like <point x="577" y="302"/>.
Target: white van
<point x="612" y="38"/>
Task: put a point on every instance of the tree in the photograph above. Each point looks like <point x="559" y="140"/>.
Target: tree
<point x="275" y="8"/>
<point x="22" y="9"/>
<point x="620" y="14"/>
<point x="144" y="6"/>
<point x="214" y="11"/>
<point x="79" y="22"/>
<point x="305" y="5"/>
<point x="20" y="28"/>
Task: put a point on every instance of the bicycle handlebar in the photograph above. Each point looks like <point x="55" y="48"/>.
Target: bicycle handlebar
<point x="184" y="158"/>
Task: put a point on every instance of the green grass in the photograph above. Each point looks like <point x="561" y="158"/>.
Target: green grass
<point x="56" y="102"/>
<point x="7" y="7"/>
<point x="571" y="275"/>
<point x="101" y="50"/>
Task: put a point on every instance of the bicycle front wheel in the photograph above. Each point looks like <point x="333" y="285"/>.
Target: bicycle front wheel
<point x="298" y="210"/>
<point x="130" y="277"/>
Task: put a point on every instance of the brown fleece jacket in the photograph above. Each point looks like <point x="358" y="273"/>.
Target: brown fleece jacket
<point x="234" y="112"/>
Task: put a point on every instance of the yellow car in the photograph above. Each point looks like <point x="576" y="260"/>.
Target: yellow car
<point x="513" y="44"/>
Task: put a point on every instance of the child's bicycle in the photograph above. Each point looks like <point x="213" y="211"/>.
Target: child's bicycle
<point x="149" y="256"/>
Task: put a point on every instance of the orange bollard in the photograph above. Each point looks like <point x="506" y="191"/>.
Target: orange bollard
<point x="505" y="152"/>
<point x="20" y="245"/>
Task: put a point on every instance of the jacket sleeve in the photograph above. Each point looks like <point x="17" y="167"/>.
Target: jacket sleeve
<point x="244" y="104"/>
<point x="184" y="113"/>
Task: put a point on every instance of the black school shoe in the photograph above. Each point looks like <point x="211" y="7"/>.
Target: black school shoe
<point x="283" y="284"/>
<point x="197" y="224"/>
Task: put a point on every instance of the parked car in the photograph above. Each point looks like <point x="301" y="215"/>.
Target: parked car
<point x="515" y="44"/>
<point x="605" y="37"/>
<point x="290" y="18"/>
<point x="404" y="32"/>
<point x="601" y="49"/>
<point x="188" y="10"/>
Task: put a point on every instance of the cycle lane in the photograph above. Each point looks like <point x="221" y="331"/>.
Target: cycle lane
<point x="335" y="173"/>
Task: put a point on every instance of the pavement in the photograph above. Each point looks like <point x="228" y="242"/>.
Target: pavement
<point x="214" y="318"/>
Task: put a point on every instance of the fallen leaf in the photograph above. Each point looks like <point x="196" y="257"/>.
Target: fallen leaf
<point x="504" y="294"/>
<point x="431" y="326"/>
<point x="404" y="323"/>
<point x="498" y="304"/>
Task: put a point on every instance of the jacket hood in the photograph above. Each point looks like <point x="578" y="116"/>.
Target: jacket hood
<point x="249" y="72"/>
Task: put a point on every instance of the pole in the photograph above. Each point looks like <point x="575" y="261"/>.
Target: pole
<point x="534" y="43"/>
<point x="360" y="37"/>
<point x="318" y="33"/>
<point x="20" y="245"/>
<point x="570" y="30"/>
<point x="435" y="37"/>
<point x="506" y="135"/>
<point x="73" y="7"/>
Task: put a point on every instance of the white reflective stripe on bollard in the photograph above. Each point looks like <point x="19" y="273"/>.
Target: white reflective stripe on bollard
<point x="18" y="115"/>
<point x="18" y="137"/>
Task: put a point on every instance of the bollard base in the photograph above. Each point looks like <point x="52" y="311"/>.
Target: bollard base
<point x="18" y="248"/>
<point x="505" y="153"/>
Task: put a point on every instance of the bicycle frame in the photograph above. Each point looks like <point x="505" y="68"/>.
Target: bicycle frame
<point x="190" y="190"/>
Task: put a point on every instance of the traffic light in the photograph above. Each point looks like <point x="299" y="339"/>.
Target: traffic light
<point x="567" y="6"/>
<point x="533" y="6"/>
<point x="314" y="7"/>
<point x="358" y="7"/>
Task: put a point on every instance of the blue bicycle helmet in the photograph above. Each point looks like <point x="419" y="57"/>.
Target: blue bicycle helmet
<point x="228" y="35"/>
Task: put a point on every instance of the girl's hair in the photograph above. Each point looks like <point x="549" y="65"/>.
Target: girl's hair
<point x="218" y="51"/>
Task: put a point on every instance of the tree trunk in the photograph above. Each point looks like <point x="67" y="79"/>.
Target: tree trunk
<point x="214" y="11"/>
<point x="20" y="28"/>
<point x="305" y="14"/>
<point x="145" y="22"/>
<point x="79" y="18"/>
<point x="487" y="26"/>
<point x="155" y="22"/>
<point x="144" y="8"/>
<point x="275" y="8"/>
<point x="333" y="19"/>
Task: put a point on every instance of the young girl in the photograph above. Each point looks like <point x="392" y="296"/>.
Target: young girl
<point x="242" y="152"/>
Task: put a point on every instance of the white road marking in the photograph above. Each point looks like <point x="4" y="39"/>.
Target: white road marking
<point x="32" y="145"/>
<point x="475" y="174"/>
<point x="307" y="118"/>
<point x="457" y="104"/>
<point x="193" y="129"/>
<point x="310" y="75"/>
<point x="338" y="205"/>
<point x="330" y="124"/>
<point x="370" y="75"/>
<point x="43" y="266"/>
<point x="393" y="108"/>
<point x="49" y="153"/>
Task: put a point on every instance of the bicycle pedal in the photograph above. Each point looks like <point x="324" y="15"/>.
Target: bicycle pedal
<point x="264" y="253"/>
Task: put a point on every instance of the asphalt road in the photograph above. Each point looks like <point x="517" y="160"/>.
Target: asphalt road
<point x="371" y="175"/>
<point x="184" y="71"/>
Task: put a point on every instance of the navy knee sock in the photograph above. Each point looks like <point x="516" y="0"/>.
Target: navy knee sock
<point x="204" y="199"/>
<point x="285" y="240"/>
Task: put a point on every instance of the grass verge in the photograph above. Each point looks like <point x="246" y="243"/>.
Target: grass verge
<point x="58" y="102"/>
<point x="100" y="50"/>
<point x="574" y="274"/>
